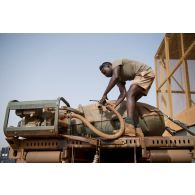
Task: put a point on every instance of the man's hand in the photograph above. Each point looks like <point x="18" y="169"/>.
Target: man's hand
<point x="112" y="104"/>
<point x="103" y="100"/>
<point x="109" y="104"/>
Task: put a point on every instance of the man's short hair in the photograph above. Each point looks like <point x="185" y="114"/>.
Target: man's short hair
<point x="105" y="64"/>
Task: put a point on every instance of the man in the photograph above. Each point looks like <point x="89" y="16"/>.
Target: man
<point x="142" y="77"/>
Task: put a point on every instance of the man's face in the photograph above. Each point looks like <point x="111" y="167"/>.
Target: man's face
<point x="107" y="71"/>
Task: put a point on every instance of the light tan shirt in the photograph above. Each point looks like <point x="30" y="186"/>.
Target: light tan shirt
<point x="130" y="68"/>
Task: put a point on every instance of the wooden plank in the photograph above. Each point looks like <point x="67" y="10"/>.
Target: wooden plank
<point x="163" y="65"/>
<point x="175" y="91"/>
<point x="183" y="91"/>
<point x="162" y="96"/>
<point x="186" y="75"/>
<point x="167" y="73"/>
<point x="156" y="79"/>
<point x="178" y="63"/>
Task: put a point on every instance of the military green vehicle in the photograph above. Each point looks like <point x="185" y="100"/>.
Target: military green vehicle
<point x="51" y="131"/>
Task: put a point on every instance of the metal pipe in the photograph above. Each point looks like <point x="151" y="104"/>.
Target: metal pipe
<point x="99" y="132"/>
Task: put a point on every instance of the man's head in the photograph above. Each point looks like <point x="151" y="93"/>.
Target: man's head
<point x="106" y="69"/>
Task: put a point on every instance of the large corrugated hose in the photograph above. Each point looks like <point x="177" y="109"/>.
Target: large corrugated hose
<point x="99" y="132"/>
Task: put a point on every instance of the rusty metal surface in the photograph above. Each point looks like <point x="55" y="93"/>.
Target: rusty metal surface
<point x="170" y="156"/>
<point x="38" y="144"/>
<point x="154" y="149"/>
<point x="169" y="142"/>
<point x="43" y="157"/>
<point x="66" y="146"/>
<point x="148" y="142"/>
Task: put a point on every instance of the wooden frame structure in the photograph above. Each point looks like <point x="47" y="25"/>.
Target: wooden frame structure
<point x="175" y="87"/>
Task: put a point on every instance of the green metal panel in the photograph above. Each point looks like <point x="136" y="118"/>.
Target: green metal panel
<point x="37" y="130"/>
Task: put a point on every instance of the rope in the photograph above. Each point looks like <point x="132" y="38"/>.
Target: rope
<point x="97" y="154"/>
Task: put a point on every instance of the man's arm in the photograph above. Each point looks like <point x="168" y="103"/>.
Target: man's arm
<point x="113" y="81"/>
<point x="122" y="95"/>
